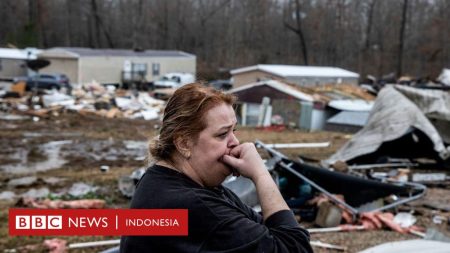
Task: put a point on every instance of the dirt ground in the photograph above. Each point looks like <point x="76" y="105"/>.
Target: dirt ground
<point x="74" y="147"/>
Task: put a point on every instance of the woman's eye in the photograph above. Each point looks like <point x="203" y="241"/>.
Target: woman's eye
<point x="224" y="134"/>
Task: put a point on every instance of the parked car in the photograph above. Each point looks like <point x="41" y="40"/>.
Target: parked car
<point x="174" y="80"/>
<point x="46" y="81"/>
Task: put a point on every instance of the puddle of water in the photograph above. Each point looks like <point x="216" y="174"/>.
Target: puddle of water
<point x="51" y="150"/>
<point x="56" y="151"/>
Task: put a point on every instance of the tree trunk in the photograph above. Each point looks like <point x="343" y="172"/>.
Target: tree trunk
<point x="365" y="52"/>
<point x="98" y="25"/>
<point x="298" y="30"/>
<point x="401" y="38"/>
<point x="137" y="25"/>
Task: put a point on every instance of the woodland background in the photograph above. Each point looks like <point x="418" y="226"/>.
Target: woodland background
<point x="407" y="37"/>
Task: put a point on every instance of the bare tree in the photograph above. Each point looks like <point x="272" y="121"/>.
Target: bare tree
<point x="401" y="37"/>
<point x="366" y="45"/>
<point x="224" y="34"/>
<point x="297" y="29"/>
<point x="137" y="24"/>
<point x="99" y="26"/>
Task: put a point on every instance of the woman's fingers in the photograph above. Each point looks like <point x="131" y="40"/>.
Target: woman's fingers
<point x="245" y="160"/>
<point x="232" y="161"/>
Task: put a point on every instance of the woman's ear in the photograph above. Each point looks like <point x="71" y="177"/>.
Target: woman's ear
<point x="183" y="146"/>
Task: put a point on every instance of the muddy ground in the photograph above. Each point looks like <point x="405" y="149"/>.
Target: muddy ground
<point x="72" y="148"/>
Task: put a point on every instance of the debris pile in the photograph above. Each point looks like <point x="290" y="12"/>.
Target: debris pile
<point x="359" y="197"/>
<point x="90" y="98"/>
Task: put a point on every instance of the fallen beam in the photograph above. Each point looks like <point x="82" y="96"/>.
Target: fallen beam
<point x="299" y="145"/>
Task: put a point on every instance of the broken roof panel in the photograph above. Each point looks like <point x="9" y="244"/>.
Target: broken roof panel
<point x="342" y="91"/>
<point x="295" y="70"/>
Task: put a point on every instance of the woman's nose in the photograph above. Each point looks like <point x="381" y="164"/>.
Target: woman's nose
<point x="233" y="141"/>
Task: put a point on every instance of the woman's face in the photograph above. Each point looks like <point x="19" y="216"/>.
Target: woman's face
<point x="216" y="140"/>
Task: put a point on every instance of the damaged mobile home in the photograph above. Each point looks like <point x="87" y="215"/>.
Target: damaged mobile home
<point x="272" y="102"/>
<point x="401" y="117"/>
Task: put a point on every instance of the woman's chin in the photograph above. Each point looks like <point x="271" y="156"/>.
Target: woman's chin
<point x="229" y="169"/>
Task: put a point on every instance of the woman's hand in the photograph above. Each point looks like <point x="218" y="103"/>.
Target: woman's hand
<point x="245" y="159"/>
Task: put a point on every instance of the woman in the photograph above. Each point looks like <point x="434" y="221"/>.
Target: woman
<point x="196" y="150"/>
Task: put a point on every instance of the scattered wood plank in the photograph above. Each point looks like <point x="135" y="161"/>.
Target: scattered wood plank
<point x="299" y="145"/>
<point x="93" y="244"/>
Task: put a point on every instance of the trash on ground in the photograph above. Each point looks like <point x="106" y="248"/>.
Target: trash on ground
<point x="23" y="181"/>
<point x="80" y="189"/>
<point x="127" y="184"/>
<point x="36" y="193"/>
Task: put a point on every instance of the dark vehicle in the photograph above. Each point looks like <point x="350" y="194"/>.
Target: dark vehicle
<point x="221" y="84"/>
<point x="47" y="82"/>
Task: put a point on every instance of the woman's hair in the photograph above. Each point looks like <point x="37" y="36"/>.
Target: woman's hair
<point x="184" y="117"/>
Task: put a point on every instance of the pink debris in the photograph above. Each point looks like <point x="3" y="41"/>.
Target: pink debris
<point x="378" y="220"/>
<point x="59" y="204"/>
<point x="56" y="245"/>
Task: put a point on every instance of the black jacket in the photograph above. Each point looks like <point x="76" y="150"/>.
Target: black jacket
<point x="218" y="221"/>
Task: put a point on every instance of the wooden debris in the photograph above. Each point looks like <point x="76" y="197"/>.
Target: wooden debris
<point x="345" y="227"/>
<point x="299" y="145"/>
<point x="112" y="113"/>
<point x="93" y="244"/>
<point x="19" y="88"/>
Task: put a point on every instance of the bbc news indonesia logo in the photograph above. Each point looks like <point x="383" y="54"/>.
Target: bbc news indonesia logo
<point x="41" y="222"/>
<point x="38" y="222"/>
